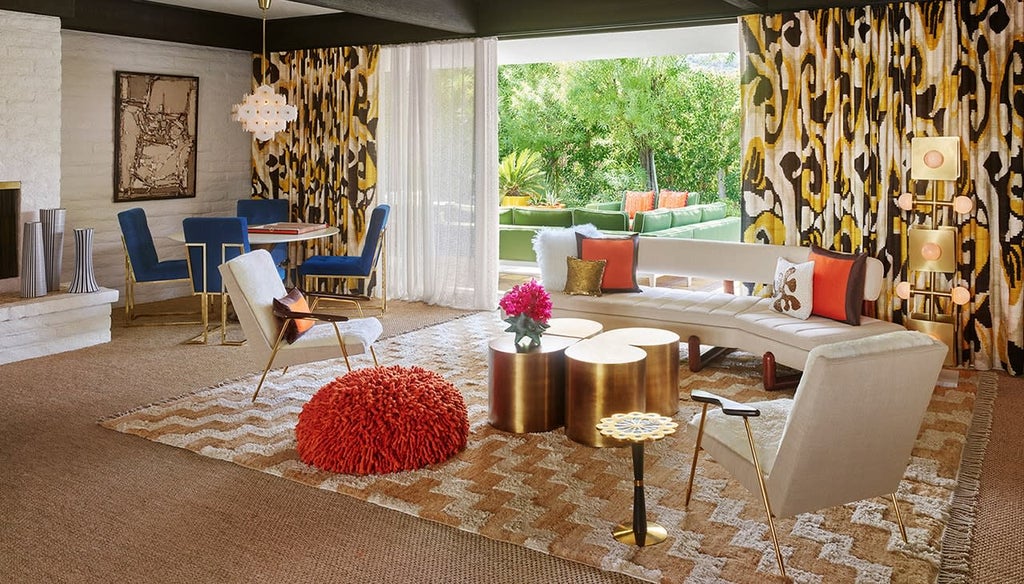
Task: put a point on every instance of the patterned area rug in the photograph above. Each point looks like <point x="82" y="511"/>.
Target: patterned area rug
<point x="550" y="494"/>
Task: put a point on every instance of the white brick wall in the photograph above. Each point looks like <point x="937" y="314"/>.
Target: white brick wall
<point x="30" y="148"/>
<point x="87" y="138"/>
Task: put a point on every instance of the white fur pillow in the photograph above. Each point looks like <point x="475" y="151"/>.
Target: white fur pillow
<point x="793" y="293"/>
<point x="552" y="246"/>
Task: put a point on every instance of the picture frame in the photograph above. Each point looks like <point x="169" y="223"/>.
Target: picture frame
<point x="155" y="136"/>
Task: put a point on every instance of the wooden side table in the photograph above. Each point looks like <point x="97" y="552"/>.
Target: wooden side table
<point x="662" y="380"/>
<point x="601" y="379"/>
<point x="526" y="391"/>
<point x="638" y="428"/>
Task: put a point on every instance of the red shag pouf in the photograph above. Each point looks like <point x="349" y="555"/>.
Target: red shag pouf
<point x="382" y="419"/>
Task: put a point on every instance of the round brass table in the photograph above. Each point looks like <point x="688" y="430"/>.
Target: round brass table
<point x="661" y="387"/>
<point x="526" y="391"/>
<point x="601" y="379"/>
<point x="577" y="328"/>
<point x="637" y="428"/>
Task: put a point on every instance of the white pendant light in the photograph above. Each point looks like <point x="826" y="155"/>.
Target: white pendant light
<point x="264" y="112"/>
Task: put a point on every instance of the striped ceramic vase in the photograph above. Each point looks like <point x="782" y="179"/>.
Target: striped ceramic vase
<point x="53" y="244"/>
<point x="84" y="280"/>
<point x="33" y="264"/>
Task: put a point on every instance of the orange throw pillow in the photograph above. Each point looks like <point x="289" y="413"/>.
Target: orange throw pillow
<point x="672" y="199"/>
<point x="294" y="302"/>
<point x="838" y="285"/>
<point x="619" y="253"/>
<point x="636" y="201"/>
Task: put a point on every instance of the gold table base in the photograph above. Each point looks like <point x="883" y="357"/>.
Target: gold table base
<point x="655" y="534"/>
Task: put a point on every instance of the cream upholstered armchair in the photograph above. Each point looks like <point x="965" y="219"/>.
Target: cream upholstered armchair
<point x="253" y="283"/>
<point x="845" y="436"/>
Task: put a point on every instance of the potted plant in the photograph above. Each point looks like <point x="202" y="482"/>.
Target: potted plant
<point x="520" y="177"/>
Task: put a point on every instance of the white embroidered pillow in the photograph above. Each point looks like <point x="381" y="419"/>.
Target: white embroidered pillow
<point x="794" y="294"/>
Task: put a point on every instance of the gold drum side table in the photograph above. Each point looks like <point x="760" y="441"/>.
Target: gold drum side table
<point x="638" y="428"/>
<point x="601" y="379"/>
<point x="577" y="328"/>
<point x="526" y="391"/>
<point x="662" y="380"/>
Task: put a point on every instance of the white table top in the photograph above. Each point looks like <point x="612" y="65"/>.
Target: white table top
<point x="273" y="238"/>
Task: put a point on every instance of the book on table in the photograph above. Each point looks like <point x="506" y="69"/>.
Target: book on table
<point x="286" y="227"/>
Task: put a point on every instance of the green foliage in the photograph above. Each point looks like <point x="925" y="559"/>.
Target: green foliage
<point x="605" y="126"/>
<point x="521" y="174"/>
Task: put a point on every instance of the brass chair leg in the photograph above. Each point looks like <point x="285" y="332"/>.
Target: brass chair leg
<point x="270" y="362"/>
<point x="899" y="517"/>
<point x="341" y="343"/>
<point x="696" y="452"/>
<point x="764" y="497"/>
<point x="374" y="354"/>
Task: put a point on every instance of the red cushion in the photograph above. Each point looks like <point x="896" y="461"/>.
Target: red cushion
<point x="672" y="199"/>
<point x="295" y="302"/>
<point x="838" y="284"/>
<point x="637" y="201"/>
<point x="620" y="255"/>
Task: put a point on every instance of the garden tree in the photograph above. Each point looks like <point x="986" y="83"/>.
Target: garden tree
<point x="535" y="115"/>
<point x="635" y="100"/>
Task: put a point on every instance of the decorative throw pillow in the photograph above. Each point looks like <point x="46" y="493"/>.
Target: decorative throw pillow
<point x="838" y="284"/>
<point x="793" y="288"/>
<point x="637" y="201"/>
<point x="672" y="199"/>
<point x="620" y="252"/>
<point x="584" y="276"/>
<point x="295" y="302"/>
<point x="552" y="246"/>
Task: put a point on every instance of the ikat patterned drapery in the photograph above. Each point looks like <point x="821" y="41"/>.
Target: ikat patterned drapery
<point x="831" y="100"/>
<point x="324" y="163"/>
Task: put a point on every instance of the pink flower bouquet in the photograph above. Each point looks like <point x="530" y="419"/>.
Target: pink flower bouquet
<point x="528" y="308"/>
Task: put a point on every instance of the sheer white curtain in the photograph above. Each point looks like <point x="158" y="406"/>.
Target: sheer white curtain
<point x="437" y="155"/>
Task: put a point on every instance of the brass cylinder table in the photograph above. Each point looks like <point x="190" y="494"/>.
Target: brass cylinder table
<point x="526" y="391"/>
<point x="601" y="379"/>
<point x="577" y="328"/>
<point x="662" y="379"/>
<point x="638" y="428"/>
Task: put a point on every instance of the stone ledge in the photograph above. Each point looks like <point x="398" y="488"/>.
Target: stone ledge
<point x="55" y="323"/>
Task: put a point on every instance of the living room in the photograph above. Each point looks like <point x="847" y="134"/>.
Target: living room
<point x="58" y="100"/>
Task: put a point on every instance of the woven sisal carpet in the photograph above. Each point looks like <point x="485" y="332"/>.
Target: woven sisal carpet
<point x="550" y="494"/>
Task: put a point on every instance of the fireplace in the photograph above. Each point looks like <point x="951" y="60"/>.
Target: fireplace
<point x="10" y="219"/>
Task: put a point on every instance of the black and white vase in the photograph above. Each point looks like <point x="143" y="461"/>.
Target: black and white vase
<point x="84" y="280"/>
<point x="33" y="264"/>
<point x="53" y="244"/>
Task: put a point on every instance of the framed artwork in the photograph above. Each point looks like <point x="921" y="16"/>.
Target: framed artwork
<point x="155" y="125"/>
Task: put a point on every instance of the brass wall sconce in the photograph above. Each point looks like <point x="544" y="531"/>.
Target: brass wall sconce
<point x="932" y="251"/>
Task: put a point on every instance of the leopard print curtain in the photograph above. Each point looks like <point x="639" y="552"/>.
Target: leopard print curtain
<point x="324" y="163"/>
<point x="831" y="100"/>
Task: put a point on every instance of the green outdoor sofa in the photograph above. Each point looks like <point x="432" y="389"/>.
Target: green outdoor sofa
<point x="518" y="225"/>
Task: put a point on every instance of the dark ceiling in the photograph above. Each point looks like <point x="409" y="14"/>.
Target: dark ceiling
<point x="398" y="21"/>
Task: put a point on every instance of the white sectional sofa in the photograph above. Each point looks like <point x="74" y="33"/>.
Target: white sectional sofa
<point x="721" y="319"/>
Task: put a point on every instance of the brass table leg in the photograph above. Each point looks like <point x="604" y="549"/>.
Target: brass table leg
<point x="640" y="532"/>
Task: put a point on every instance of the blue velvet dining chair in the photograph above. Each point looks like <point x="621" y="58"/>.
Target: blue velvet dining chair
<point x="209" y="242"/>
<point x="362" y="267"/>
<point x="263" y="211"/>
<point x="142" y="265"/>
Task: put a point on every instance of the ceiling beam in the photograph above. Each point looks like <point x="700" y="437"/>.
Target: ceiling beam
<point x="455" y="16"/>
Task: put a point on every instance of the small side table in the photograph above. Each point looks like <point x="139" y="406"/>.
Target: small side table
<point x="638" y="427"/>
<point x="526" y="391"/>
<point x="661" y="384"/>
<point x="577" y="328"/>
<point x="601" y="379"/>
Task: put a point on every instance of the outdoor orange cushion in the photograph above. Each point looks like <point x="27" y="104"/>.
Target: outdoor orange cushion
<point x="637" y="201"/>
<point x="295" y="302"/>
<point x="838" y="286"/>
<point x="672" y="199"/>
<point x="620" y="253"/>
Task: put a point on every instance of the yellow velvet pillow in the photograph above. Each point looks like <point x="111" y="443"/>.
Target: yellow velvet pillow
<point x="584" y="276"/>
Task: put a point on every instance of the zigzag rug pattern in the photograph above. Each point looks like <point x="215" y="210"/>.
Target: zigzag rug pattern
<point x="552" y="495"/>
